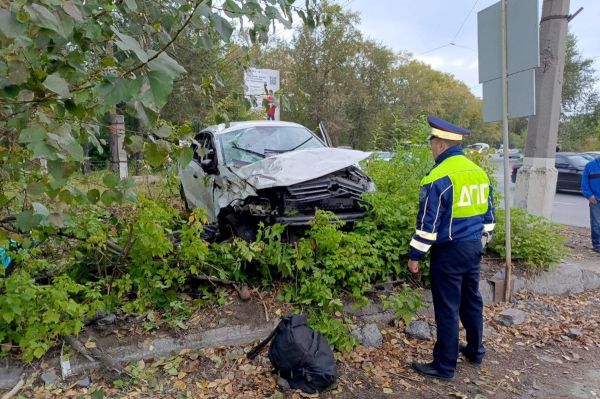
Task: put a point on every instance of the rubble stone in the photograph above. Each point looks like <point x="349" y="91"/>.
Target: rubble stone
<point x="49" y="377"/>
<point x="511" y="317"/>
<point x="418" y="329"/>
<point x="371" y="336"/>
<point x="84" y="382"/>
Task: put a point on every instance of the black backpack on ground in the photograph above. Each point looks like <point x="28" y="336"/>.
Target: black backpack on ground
<point x="300" y="355"/>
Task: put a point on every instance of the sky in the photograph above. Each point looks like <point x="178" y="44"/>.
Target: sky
<point x="425" y="28"/>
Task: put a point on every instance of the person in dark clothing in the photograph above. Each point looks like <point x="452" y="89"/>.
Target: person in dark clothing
<point x="590" y="187"/>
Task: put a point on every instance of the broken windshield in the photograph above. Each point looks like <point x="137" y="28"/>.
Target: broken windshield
<point x="246" y="146"/>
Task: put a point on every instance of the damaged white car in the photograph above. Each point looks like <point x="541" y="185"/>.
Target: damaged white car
<point x="274" y="172"/>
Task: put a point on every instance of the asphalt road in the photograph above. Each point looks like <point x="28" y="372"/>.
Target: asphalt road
<point x="569" y="209"/>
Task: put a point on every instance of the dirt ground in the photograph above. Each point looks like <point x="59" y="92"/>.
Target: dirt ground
<point x="555" y="353"/>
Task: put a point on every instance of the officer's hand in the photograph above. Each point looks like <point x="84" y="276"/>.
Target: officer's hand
<point x="593" y="200"/>
<point x="413" y="266"/>
<point x="485" y="239"/>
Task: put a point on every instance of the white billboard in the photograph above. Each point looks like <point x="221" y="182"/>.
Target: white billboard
<point x="255" y="80"/>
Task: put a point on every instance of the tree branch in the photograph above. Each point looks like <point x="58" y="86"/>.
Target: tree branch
<point x="164" y="48"/>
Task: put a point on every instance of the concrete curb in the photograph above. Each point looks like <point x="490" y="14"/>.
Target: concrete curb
<point x="569" y="277"/>
<point x="161" y="346"/>
<point x="166" y="345"/>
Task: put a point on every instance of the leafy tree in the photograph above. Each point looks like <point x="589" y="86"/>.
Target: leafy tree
<point x="423" y="90"/>
<point x="579" y="94"/>
<point x="365" y="93"/>
<point x="63" y="65"/>
<point x="580" y="123"/>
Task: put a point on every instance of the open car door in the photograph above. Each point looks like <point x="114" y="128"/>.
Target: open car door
<point x="325" y="135"/>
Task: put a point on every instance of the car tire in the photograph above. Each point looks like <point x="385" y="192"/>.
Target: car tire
<point x="230" y="226"/>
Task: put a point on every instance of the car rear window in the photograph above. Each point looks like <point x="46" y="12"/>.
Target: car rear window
<point x="578" y="161"/>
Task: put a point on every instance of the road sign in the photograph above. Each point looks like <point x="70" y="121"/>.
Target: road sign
<point x="522" y="18"/>
<point x="521" y="96"/>
<point x="508" y="41"/>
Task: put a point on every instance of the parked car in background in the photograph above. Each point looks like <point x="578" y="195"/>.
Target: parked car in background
<point x="384" y="155"/>
<point x="513" y="153"/>
<point x="591" y="155"/>
<point x="478" y="147"/>
<point x="270" y="172"/>
<point x="570" y="167"/>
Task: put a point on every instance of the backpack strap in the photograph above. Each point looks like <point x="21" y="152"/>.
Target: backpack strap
<point x="256" y="350"/>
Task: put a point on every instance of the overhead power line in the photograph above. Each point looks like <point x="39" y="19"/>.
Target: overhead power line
<point x="453" y="41"/>
<point x="464" y="22"/>
<point x="434" y="49"/>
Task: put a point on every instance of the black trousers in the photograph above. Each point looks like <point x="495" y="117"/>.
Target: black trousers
<point x="454" y="277"/>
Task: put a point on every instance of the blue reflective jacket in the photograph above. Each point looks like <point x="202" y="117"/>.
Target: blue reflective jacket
<point x="590" y="181"/>
<point x="455" y="203"/>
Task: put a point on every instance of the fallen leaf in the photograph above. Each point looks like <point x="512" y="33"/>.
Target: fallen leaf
<point x="179" y="385"/>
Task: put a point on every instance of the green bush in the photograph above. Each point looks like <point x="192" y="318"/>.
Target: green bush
<point x="405" y="303"/>
<point x="34" y="315"/>
<point x="535" y="241"/>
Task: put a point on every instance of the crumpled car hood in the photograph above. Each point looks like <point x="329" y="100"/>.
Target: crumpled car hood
<point x="297" y="166"/>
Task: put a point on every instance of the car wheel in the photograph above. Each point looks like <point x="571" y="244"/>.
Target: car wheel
<point x="233" y="226"/>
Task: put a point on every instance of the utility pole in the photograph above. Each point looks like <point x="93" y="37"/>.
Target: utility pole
<point x="536" y="180"/>
<point x="118" y="155"/>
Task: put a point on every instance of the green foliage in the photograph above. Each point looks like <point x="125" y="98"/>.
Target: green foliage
<point x="404" y="303"/>
<point x="336" y="331"/>
<point x="35" y="315"/>
<point x="535" y="241"/>
<point x="65" y="65"/>
<point x="393" y="207"/>
<point x="157" y="269"/>
<point x="328" y="262"/>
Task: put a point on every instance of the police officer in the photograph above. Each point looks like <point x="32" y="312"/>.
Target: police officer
<point x="455" y="220"/>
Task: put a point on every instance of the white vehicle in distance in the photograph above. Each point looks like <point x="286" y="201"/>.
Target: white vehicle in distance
<point x="513" y="153"/>
<point x="478" y="147"/>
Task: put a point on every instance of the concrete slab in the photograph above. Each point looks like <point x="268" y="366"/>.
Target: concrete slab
<point x="164" y="346"/>
<point x="10" y="376"/>
<point x="570" y="276"/>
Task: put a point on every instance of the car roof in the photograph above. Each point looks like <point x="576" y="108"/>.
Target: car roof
<point x="568" y="154"/>
<point x="223" y="128"/>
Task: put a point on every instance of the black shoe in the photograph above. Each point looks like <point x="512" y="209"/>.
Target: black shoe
<point x="430" y="371"/>
<point x="596" y="250"/>
<point x="462" y="348"/>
